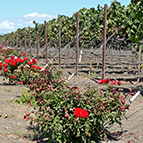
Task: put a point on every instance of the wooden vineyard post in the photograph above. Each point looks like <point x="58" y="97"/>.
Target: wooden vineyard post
<point x="20" y="45"/>
<point x="90" y="68"/>
<point x="139" y="61"/>
<point x="7" y="42"/>
<point x="77" y="41"/>
<point x="13" y="39"/>
<point x="16" y="40"/>
<point x="37" y="42"/>
<point x="104" y="42"/>
<point x="46" y="44"/>
<point x="59" y="41"/>
<point x="30" y="43"/>
<point x="25" y="39"/>
<point x="65" y="57"/>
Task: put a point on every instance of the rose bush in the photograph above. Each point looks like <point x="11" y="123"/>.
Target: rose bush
<point x="67" y="115"/>
<point x="7" y="52"/>
<point x="19" y="69"/>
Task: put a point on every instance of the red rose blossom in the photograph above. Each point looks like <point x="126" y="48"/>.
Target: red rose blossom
<point x="21" y="82"/>
<point x="12" y="76"/>
<point x="19" y="60"/>
<point x="33" y="66"/>
<point x="99" y="81"/>
<point x="5" y="65"/>
<point x="0" y="65"/>
<point x="123" y="107"/>
<point x="106" y="80"/>
<point x="121" y="97"/>
<point x="2" y="50"/>
<point x="84" y="114"/>
<point x="119" y="83"/>
<point x="23" y="54"/>
<point x="13" y="63"/>
<point x="29" y="63"/>
<point x="5" y="70"/>
<point x="77" y="111"/>
<point x="113" y="82"/>
<point x="66" y="115"/>
<point x="38" y="68"/>
<point x="34" y="61"/>
<point x="26" y="59"/>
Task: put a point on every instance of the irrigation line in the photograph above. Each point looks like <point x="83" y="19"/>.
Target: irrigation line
<point x="124" y="118"/>
<point x="134" y="113"/>
<point x="122" y="62"/>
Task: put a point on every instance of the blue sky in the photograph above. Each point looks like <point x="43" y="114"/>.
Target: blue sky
<point x="21" y="13"/>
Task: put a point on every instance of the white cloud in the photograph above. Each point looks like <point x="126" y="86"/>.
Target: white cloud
<point x="35" y="15"/>
<point x="28" y="22"/>
<point x="23" y="21"/>
<point x="7" y="25"/>
<point x="19" y="20"/>
<point x="19" y="24"/>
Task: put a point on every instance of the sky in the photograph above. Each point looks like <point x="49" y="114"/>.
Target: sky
<point x="21" y="13"/>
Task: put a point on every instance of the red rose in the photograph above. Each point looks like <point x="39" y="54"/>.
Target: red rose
<point x="5" y="65"/>
<point x="38" y="68"/>
<point x="119" y="83"/>
<point x="84" y="114"/>
<point x="5" y="70"/>
<point x="13" y="63"/>
<point x="26" y="59"/>
<point x="12" y="57"/>
<point x="21" y="82"/>
<point x="33" y="66"/>
<point x="34" y="61"/>
<point x="77" y="111"/>
<point x="123" y="107"/>
<point x="12" y="76"/>
<point x="106" y="80"/>
<point x="7" y="61"/>
<point x="121" y="97"/>
<point x="30" y="63"/>
<point x="66" y="115"/>
<point x="113" y="82"/>
<point x="19" y="60"/>
<point x="99" y="81"/>
<point x="2" y="50"/>
<point x="23" y="54"/>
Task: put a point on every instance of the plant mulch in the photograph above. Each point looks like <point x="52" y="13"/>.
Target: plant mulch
<point x="14" y="129"/>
